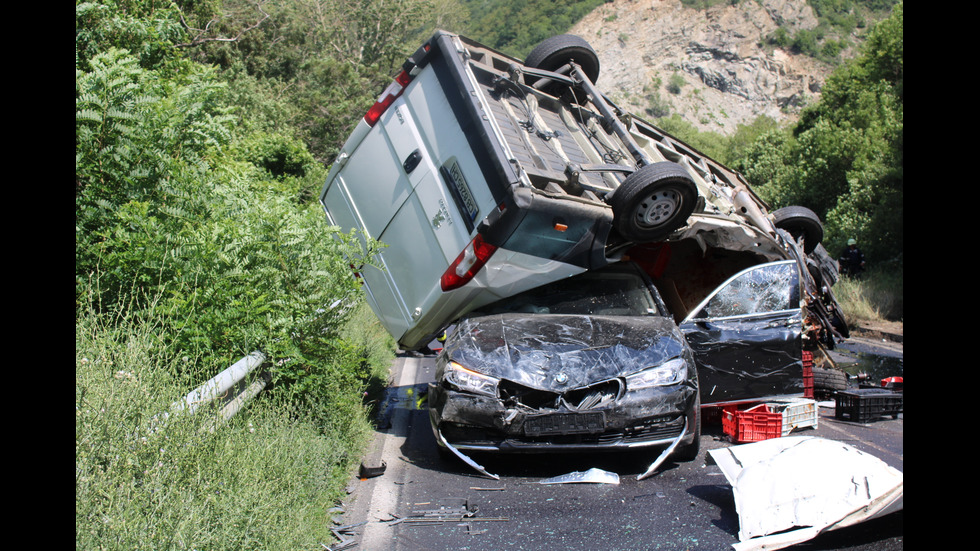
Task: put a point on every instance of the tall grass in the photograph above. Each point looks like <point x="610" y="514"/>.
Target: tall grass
<point x="265" y="480"/>
<point x="877" y="295"/>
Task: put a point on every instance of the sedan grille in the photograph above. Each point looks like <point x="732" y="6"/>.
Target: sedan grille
<point x="589" y="397"/>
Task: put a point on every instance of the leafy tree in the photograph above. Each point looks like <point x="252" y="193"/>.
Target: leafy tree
<point x="136" y="135"/>
<point x="845" y="156"/>
<point x="147" y="29"/>
<point x="746" y="134"/>
<point x="171" y="202"/>
<point x="711" y="144"/>
<point x="528" y="22"/>
<point x="763" y="162"/>
<point x="312" y="68"/>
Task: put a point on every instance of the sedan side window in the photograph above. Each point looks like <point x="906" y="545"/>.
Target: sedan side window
<point x="766" y="288"/>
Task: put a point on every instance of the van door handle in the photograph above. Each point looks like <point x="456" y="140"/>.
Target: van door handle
<point x="413" y="160"/>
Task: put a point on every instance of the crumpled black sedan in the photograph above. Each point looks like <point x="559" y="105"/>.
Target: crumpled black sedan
<point x="593" y="362"/>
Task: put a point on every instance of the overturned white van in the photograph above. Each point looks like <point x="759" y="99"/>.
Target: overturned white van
<point x="485" y="176"/>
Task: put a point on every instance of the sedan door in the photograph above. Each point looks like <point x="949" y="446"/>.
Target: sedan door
<point x="746" y="336"/>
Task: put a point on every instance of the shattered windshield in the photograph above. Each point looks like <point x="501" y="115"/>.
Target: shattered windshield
<point x="596" y="293"/>
<point x="768" y="288"/>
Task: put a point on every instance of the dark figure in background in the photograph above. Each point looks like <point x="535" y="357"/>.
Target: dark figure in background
<point x="852" y="259"/>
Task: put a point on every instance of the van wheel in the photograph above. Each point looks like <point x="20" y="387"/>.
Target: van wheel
<point x="653" y="201"/>
<point x="800" y="221"/>
<point x="553" y="53"/>
<point x="829" y="379"/>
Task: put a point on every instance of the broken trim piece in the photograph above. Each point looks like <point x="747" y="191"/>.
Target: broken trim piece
<point x="461" y="455"/>
<point x="593" y="475"/>
<point x="670" y="449"/>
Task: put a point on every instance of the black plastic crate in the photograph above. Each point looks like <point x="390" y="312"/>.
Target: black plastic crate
<point x="865" y="405"/>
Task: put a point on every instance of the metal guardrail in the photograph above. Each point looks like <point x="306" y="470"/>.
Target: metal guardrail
<point x="221" y="386"/>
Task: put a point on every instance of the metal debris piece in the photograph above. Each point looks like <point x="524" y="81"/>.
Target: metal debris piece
<point x="461" y="514"/>
<point x="342" y="533"/>
<point x="465" y="459"/>
<point x="593" y="475"/>
<point x="653" y="466"/>
<point x="427" y="521"/>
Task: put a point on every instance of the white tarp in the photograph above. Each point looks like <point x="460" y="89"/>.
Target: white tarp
<point x="788" y="490"/>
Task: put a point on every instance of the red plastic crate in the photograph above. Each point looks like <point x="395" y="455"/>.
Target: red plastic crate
<point x="807" y="374"/>
<point x="753" y="424"/>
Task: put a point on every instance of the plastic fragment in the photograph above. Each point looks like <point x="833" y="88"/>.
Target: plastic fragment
<point x="593" y="475"/>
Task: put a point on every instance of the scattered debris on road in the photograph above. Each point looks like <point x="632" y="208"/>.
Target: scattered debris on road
<point x="345" y="535"/>
<point x="371" y="472"/>
<point x="460" y="513"/>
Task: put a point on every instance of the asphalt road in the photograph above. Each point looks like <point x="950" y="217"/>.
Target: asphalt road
<point x="426" y="502"/>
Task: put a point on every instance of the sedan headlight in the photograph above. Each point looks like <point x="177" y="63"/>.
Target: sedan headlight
<point x="668" y="373"/>
<point x="469" y="380"/>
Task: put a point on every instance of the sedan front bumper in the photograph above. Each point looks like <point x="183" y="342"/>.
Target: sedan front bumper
<point x="639" y="418"/>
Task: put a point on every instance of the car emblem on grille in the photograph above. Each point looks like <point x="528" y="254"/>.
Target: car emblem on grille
<point x="561" y="378"/>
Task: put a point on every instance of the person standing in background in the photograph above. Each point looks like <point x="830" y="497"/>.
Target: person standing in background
<point x="852" y="259"/>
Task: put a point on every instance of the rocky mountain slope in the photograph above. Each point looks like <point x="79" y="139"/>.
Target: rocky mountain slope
<point x="659" y="57"/>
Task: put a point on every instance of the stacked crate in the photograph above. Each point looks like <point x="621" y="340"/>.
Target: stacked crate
<point x="807" y="374"/>
<point x="768" y="420"/>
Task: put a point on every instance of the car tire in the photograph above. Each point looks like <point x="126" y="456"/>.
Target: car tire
<point x="653" y="202"/>
<point x="553" y="53"/>
<point x="800" y="221"/>
<point x="829" y="379"/>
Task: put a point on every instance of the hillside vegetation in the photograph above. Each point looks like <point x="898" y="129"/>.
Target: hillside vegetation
<point x="203" y="132"/>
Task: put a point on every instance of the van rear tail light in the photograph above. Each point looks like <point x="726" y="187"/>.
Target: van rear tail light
<point x="391" y="93"/>
<point x="467" y="264"/>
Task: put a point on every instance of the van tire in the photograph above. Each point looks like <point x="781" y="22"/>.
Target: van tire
<point x="800" y="221"/>
<point x="553" y="53"/>
<point x="829" y="379"/>
<point x="653" y="202"/>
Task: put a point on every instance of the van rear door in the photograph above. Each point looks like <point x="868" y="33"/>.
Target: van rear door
<point x="414" y="185"/>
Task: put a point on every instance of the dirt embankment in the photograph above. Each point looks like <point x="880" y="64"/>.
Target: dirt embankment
<point x="711" y="66"/>
<point x="879" y="330"/>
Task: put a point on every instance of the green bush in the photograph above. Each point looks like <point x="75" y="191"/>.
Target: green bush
<point x="197" y="241"/>
<point x="675" y="83"/>
<point x="844" y="158"/>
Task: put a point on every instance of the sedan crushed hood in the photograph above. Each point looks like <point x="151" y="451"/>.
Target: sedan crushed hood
<point x="563" y="352"/>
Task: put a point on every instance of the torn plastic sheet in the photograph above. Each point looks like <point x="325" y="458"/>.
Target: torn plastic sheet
<point x="593" y="475"/>
<point x="789" y="490"/>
